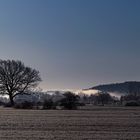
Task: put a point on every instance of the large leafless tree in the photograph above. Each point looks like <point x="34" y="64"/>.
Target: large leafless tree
<point x="16" y="78"/>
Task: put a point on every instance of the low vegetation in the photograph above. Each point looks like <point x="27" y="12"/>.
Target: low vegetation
<point x="132" y="103"/>
<point x="71" y="101"/>
<point x="49" y="104"/>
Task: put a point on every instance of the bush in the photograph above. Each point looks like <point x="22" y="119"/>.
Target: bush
<point x="2" y="103"/>
<point x="49" y="104"/>
<point x="7" y="104"/>
<point x="80" y="104"/>
<point x="70" y="101"/>
<point x="24" y="105"/>
<point x="132" y="103"/>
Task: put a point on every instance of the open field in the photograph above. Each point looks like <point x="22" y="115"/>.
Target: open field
<point x="100" y="123"/>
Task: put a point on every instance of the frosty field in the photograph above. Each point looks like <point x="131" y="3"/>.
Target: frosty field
<point x="100" y="123"/>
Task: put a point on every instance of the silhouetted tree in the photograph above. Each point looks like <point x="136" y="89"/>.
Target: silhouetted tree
<point x="48" y="104"/>
<point x="104" y="98"/>
<point x="16" y="78"/>
<point x="131" y="99"/>
<point x="70" y="100"/>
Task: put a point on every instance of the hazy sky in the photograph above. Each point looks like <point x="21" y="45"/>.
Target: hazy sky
<point x="74" y="44"/>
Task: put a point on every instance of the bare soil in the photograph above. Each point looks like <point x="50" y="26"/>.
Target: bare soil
<point x="99" y="123"/>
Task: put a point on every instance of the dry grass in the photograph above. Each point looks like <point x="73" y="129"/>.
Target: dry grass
<point x="100" y="123"/>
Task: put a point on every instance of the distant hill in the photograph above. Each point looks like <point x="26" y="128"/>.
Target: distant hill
<point x="125" y="88"/>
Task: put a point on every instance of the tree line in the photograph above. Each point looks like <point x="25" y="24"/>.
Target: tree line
<point x="17" y="79"/>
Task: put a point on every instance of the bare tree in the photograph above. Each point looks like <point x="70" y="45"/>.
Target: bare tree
<point x="104" y="98"/>
<point x="16" y="78"/>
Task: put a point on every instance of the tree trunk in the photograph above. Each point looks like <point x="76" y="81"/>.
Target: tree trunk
<point x="11" y="100"/>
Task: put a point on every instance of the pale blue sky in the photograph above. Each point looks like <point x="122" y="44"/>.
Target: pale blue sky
<point x="74" y="44"/>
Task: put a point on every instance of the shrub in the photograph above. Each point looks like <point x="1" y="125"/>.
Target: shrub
<point x="80" y="104"/>
<point x="24" y="105"/>
<point x="7" y="104"/>
<point x="70" y="101"/>
<point x="49" y="104"/>
<point x="1" y="103"/>
<point x="132" y="103"/>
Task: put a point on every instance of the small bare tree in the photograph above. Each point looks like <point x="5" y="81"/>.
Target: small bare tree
<point x="16" y="78"/>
